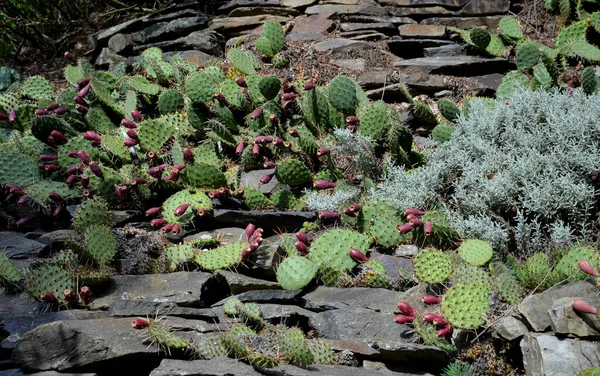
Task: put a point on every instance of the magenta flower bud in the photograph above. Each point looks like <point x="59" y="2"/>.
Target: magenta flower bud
<point x="156" y="172"/>
<point x="246" y="252"/>
<point x="352" y="128"/>
<point x="12" y="115"/>
<point x="15" y="189"/>
<point x="352" y="120"/>
<point x="444" y="332"/>
<point x="308" y="85"/>
<point x="95" y="143"/>
<point x="83" y="157"/>
<point x="249" y="231"/>
<point x="215" y="194"/>
<point x="136" y="115"/>
<point x="357" y="255"/>
<point x="92" y="136"/>
<point x="70" y="296"/>
<point x="83" y="92"/>
<point x="323" y="184"/>
<point x="241" y="81"/>
<point x="175" y="230"/>
<point x="277" y="141"/>
<point x="48" y="157"/>
<point x="327" y="214"/>
<point x="52" y="107"/>
<point x="86" y="295"/>
<point x="221" y="99"/>
<point x="256" y="113"/>
<point x="301" y="247"/>
<point x="83" y="81"/>
<point x="350" y="213"/>
<point x="266" y="178"/>
<point x="119" y="192"/>
<point x="158" y="222"/>
<point x="3" y="116"/>
<point x="286" y="104"/>
<point x="22" y="201"/>
<point x="96" y="170"/>
<point x="259" y="139"/>
<point x="256" y="234"/>
<point x="139" y="181"/>
<point x="168" y="228"/>
<point x="414" y="211"/>
<point x="293" y="132"/>
<point x="23" y="221"/>
<point x="51" y="167"/>
<point x="405" y="228"/>
<point x="583" y="307"/>
<point x="73" y="153"/>
<point x="188" y="155"/>
<point x="176" y="169"/>
<point x="256" y="149"/>
<point x="273" y="120"/>
<point x="416" y="222"/>
<point x="51" y="140"/>
<point x="78" y="100"/>
<point x="61" y="111"/>
<point x="181" y="209"/>
<point x="402" y="319"/>
<point x="129" y="142"/>
<point x="429" y="317"/>
<point x="48" y="298"/>
<point x="85" y="180"/>
<point x="428" y="228"/>
<point x="302" y="237"/>
<point x="355" y="207"/>
<point x="322" y="151"/>
<point x="41" y="112"/>
<point x="268" y="139"/>
<point x="587" y="268"/>
<point x="239" y="149"/>
<point x="406" y="309"/>
<point x="59" y="137"/>
<point x="55" y="197"/>
<point x="171" y="177"/>
<point x="430" y="299"/>
<point x="72" y="179"/>
<point x="289" y="96"/>
<point x="440" y="322"/>
<point x="128" y="124"/>
<point x="269" y="164"/>
<point x="58" y="211"/>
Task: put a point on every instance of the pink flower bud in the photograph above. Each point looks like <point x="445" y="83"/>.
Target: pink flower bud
<point x="13" y="188"/>
<point x="239" y="149"/>
<point x="51" y="167"/>
<point x="55" y="197"/>
<point x="92" y="136"/>
<point x="256" y="149"/>
<point x="430" y="299"/>
<point x="402" y="319"/>
<point x="414" y="211"/>
<point x="83" y="81"/>
<point x="269" y="164"/>
<point x="158" y="222"/>
<point x="119" y="192"/>
<point x="355" y="207"/>
<point x="58" y="211"/>
<point x="352" y="127"/>
<point x="416" y="222"/>
<point x="51" y="107"/>
<point x="302" y="237"/>
<point x="175" y="230"/>
<point x="168" y="227"/>
<point x="83" y="92"/>
<point x="301" y="247"/>
<point x="131" y="133"/>
<point x="128" y="124"/>
<point x="256" y="113"/>
<point x="12" y="115"/>
<point x="587" y="268"/>
<point x="357" y="255"/>
<point x="83" y="157"/>
<point x="181" y="209"/>
<point x="327" y="214"/>
<point x="70" y="296"/>
<point x="80" y="101"/>
<point x="444" y="332"/>
<point x="72" y="179"/>
<point x="129" y="142"/>
<point x="289" y="96"/>
<point x="136" y="115"/>
<point x="440" y="322"/>
<point x="153" y="211"/>
<point x="85" y="180"/>
<point x="250" y="228"/>
<point x="266" y="178"/>
<point x="140" y="324"/>
<point x="81" y="108"/>
<point x="583" y="307"/>
<point x="428" y="228"/>
<point x="23" y="221"/>
<point x="322" y="151"/>
<point x="241" y="81"/>
<point x="41" y="112"/>
<point x="323" y="184"/>
<point x="430" y="317"/>
<point x="139" y="181"/>
<point x="61" y="111"/>
<point x="59" y="137"/>
<point x="352" y="120"/>
<point x="22" y="201"/>
<point x="188" y="155"/>
<point x="48" y="157"/>
<point x="96" y="170"/>
<point x="406" y="309"/>
<point x="202" y="212"/>
<point x="308" y="85"/>
<point x="405" y="228"/>
<point x="86" y="295"/>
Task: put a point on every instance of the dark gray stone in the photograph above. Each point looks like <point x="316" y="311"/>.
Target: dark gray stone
<point x="317" y="23"/>
<point x="332" y="370"/>
<point x="232" y="4"/>
<point x="364" y="35"/>
<point x="125" y="308"/>
<point x="219" y="366"/>
<point x="197" y="58"/>
<point x="267" y="296"/>
<point x="549" y="355"/>
<point x="396" y="21"/>
<point x="327" y="298"/>
<point x="491" y="22"/>
<point x="289" y="315"/>
<point x="58" y="239"/>
<point x="392" y="264"/>
<point x="16" y="327"/>
<point x="305" y="37"/>
<point x="239" y="283"/>
<point x="20" y="372"/>
<point x="195" y="289"/>
<point x="535" y="307"/>
<point x="351" y="64"/>
<point x="207" y="41"/>
<point x="422" y="31"/>
<point x="385" y="27"/>
<point x="488" y="82"/>
<point x="566" y="321"/>
<point x="17" y="247"/>
<point x="233" y="26"/>
<point x="269" y="221"/>
<point x="19" y="305"/>
<point x="121" y="44"/>
<point x="443" y="51"/>
<point x="101" y="344"/>
<point x="366" y="9"/>
<point x="252" y="179"/>
<point x="414" y="48"/>
<point x="122" y="217"/>
<point x="457" y="65"/>
<point x="510" y="328"/>
<point x="162" y="31"/>
<point x="340" y="44"/>
<point x="350" y="323"/>
<point x="423" y="3"/>
<point x="267" y="257"/>
<point x="256" y="11"/>
<point x="107" y="59"/>
<point x="420" y="11"/>
<point x="485" y="7"/>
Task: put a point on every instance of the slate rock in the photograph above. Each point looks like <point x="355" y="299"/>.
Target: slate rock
<point x="414" y="48"/>
<point x="256" y="11"/>
<point x="19" y="305"/>
<point x="384" y="27"/>
<point x="207" y="41"/>
<point x="331" y="370"/>
<point x="18" y="247"/>
<point x="535" y="307"/>
<point x="290" y="315"/>
<point x="392" y="264"/>
<point x="340" y="44"/>
<point x="239" y="283"/>
<point x="363" y="35"/>
<point x="510" y="328"/>
<point x="351" y="64"/>
<point x="491" y="22"/>
<point x="266" y="296"/>
<point x="121" y="44"/>
<point x="197" y="58"/>
<point x="191" y="289"/>
<point x="226" y="235"/>
<point x="252" y="179"/>
<point x="484" y="7"/>
<point x="396" y="21"/>
<point x="98" y="344"/>
<point x="57" y="239"/>
<point x="423" y="3"/>
<point x="350" y="322"/>
<point x="16" y="327"/>
<point x="457" y="65"/>
<point x="366" y="9"/>
<point x="422" y="31"/>
<point x="408" y="355"/>
<point x="267" y="257"/>
<point x="126" y="308"/>
<point x="317" y="23"/>
<point x="231" y="26"/>
<point x="547" y="354"/>
<point x="447" y="50"/>
<point x="162" y="31"/>
<point x="420" y="11"/>
<point x="297" y="3"/>
<point x="219" y="366"/>
<point x="326" y="298"/>
<point x="232" y="4"/>
<point x="308" y="37"/>
<point x="488" y="83"/>
<point x="269" y="221"/>
<point x="107" y="59"/>
<point x="20" y="372"/>
<point x="565" y="321"/>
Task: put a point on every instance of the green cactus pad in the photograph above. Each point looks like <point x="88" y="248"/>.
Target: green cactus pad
<point x="232" y="307"/>
<point x="170" y="101"/>
<point x="296" y="272"/>
<point x="100" y="244"/>
<point x="510" y="29"/>
<point x="285" y="200"/>
<point x="292" y="172"/>
<point x="567" y="267"/>
<point x="269" y="87"/>
<point x="280" y="61"/>
<point x="573" y="32"/>
<point x="162" y="335"/>
<point x="589" y="82"/>
<point x="467" y="273"/>
<point x="423" y="112"/>
<point x="331" y="276"/>
<point x="442" y="133"/>
<point x="476" y="252"/>
<point x="428" y="333"/>
<point x="9" y="274"/>
<point x="251" y="313"/>
<point x="342" y="94"/>
<point x="443" y="235"/>
<point x="91" y="212"/>
<point x="99" y="121"/>
<point x="590" y="372"/>
<point x="584" y="50"/>
<point x="448" y="109"/>
<point x="511" y="82"/>
<point x="322" y="351"/>
<point x="223" y="257"/>
<point x="38" y="88"/>
<point x="332" y="248"/>
<point x="42" y="126"/>
<point x="153" y="134"/>
<point x="373" y="121"/>
<point x="19" y="169"/>
<point x="527" y="56"/>
<point x="177" y="255"/>
<point x="432" y="266"/>
<point x="275" y="34"/>
<point x="535" y="270"/>
<point x="197" y="200"/>
<point x="141" y="85"/>
<point x="199" y="87"/>
<point x="384" y="229"/>
<point x="465" y="306"/>
<point x="255" y="199"/>
<point x="263" y="45"/>
<point x="480" y="37"/>
<point x="543" y="76"/>
<point x="203" y="175"/>
<point x="243" y="61"/>
<point x="508" y="287"/>
<point x="294" y="347"/>
<point x="48" y="278"/>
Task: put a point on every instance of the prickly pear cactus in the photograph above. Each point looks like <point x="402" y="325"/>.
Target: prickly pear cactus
<point x="432" y="266"/>
<point x="9" y="274"/>
<point x="18" y="169"/>
<point x="476" y="252"/>
<point x="296" y="272"/>
<point x="164" y="337"/>
<point x="510" y="29"/>
<point x="332" y="248"/>
<point x="292" y="172"/>
<point x="480" y="37"/>
<point x="223" y="257"/>
<point x="448" y="109"/>
<point x="47" y="277"/>
<point x="528" y="55"/>
<point x="294" y="347"/>
<point x="197" y="200"/>
<point x="91" y="212"/>
<point x="442" y="133"/>
<point x="589" y="81"/>
<point x="567" y="267"/>
<point x="465" y="306"/>
<point x="342" y="94"/>
<point x="100" y="244"/>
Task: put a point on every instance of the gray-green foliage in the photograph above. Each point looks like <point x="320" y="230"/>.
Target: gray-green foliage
<point x="537" y="156"/>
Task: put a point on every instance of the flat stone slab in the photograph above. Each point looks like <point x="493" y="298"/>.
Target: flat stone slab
<point x="19" y="305"/>
<point x="331" y="370"/>
<point x="368" y="9"/>
<point x="232" y="4"/>
<point x="231" y="25"/>
<point x="549" y="355"/>
<point x="309" y="37"/>
<point x="414" y="48"/>
<point x="289" y="315"/>
<point x="219" y="366"/>
<point x="457" y="65"/>
<point x="422" y="31"/>
<point x="267" y="296"/>
<point x="281" y="221"/>
<point x="408" y="3"/>
<point x="257" y="11"/>
<point x="491" y="22"/>
<point x="340" y="44"/>
<point x="252" y="179"/>
<point x="181" y="288"/>
<point x="420" y="11"/>
<point x="17" y="247"/>
<point x="325" y="298"/>
<point x="568" y="322"/>
<point x="352" y="64"/>
<point x="127" y="308"/>
<point x="535" y="307"/>
<point x="378" y="26"/>
<point x="239" y="283"/>
<point x="77" y="344"/>
<point x="317" y="23"/>
<point x="510" y="328"/>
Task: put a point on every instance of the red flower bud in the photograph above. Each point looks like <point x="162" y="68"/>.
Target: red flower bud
<point x="583" y="307"/>
<point x="181" y="209"/>
<point x="55" y="197"/>
<point x="323" y="184"/>
<point x="430" y="317"/>
<point x="51" y="107"/>
<point x="129" y="142"/>
<point x="587" y="268"/>
<point x="322" y="151"/>
<point x="256" y="149"/>
<point x="406" y="309"/>
<point x="61" y="111"/>
<point x="430" y="299"/>
<point x="266" y="178"/>
<point x="440" y="322"/>
<point x="82" y="155"/>
<point x="70" y="296"/>
<point x="86" y="295"/>
<point x="48" y="298"/>
<point x="188" y="155"/>
<point x="250" y="228"/>
<point x="327" y="214"/>
<point x="428" y="228"/>
<point x="256" y="113"/>
<point x="175" y="230"/>
<point x="302" y="237"/>
<point x="444" y="332"/>
<point x="158" y="222"/>
<point x="301" y="247"/>
<point x="352" y="120"/>
<point x="136" y="115"/>
<point x="294" y="133"/>
<point x="401" y="319"/>
<point x="12" y="115"/>
<point x="41" y="112"/>
<point x="414" y="211"/>
<point x="140" y="324"/>
<point x="92" y="136"/>
<point x="83" y="92"/>
<point x="308" y="85"/>
<point x="128" y="124"/>
<point x="83" y="81"/>
<point x="95" y="168"/>
<point x="357" y="255"/>
<point x="153" y="211"/>
<point x="405" y="228"/>
<point x="269" y="164"/>
<point x="241" y="81"/>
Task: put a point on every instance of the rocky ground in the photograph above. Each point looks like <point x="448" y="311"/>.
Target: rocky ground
<point x="381" y="43"/>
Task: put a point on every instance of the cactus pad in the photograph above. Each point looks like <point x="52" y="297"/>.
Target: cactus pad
<point x="269" y="87"/>
<point x="197" y="200"/>
<point x="567" y="267"/>
<point x="432" y="266"/>
<point x="19" y="169"/>
<point x="48" y="278"/>
<point x="510" y="29"/>
<point x="292" y="172"/>
<point x="476" y="252"/>
<point x="465" y="306"/>
<point x="100" y="244"/>
<point x="332" y="248"/>
<point x="296" y="272"/>
<point x="342" y="94"/>
<point x="91" y="212"/>
<point x="480" y="37"/>
<point x="170" y="101"/>
<point x="243" y="61"/>
<point x="8" y="271"/>
<point x="220" y="258"/>
<point x="38" y="88"/>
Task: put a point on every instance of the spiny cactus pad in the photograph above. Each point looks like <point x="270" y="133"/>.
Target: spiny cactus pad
<point x="197" y="200"/>
<point x="567" y="266"/>
<point x="48" y="278"/>
<point x="465" y="306"/>
<point x="100" y="244"/>
<point x="8" y="271"/>
<point x="432" y="266"/>
<point x="342" y="94"/>
<point x="296" y="272"/>
<point x="476" y="252"/>
<point x="90" y="212"/>
<point x="333" y="246"/>
<point x="220" y="258"/>
<point x="292" y="172"/>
